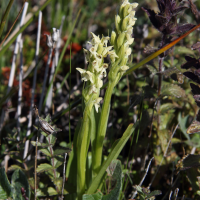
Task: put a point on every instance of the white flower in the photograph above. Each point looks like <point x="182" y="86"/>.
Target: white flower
<point x="130" y="40"/>
<point x="113" y="55"/>
<point x="96" y="103"/>
<point x="124" y="68"/>
<point x="134" y="5"/>
<point x="104" y="40"/>
<point x="125" y="2"/>
<point x="128" y="52"/>
<point x="106" y="50"/>
<point x="92" y="89"/>
<point x="86" y="75"/>
<point x="99" y="82"/>
<point x="96" y="39"/>
<point x="96" y="65"/>
<point x="92" y="51"/>
<point x="89" y="76"/>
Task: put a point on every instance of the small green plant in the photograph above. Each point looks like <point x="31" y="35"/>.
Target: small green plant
<point x="93" y="129"/>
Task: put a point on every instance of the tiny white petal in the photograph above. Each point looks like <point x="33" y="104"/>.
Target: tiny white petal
<point x="96" y="103"/>
<point x="124" y="68"/>
<point x="96" y="38"/>
<point x="81" y="70"/>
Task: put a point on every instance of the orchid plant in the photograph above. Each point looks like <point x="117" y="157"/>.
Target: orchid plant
<point x="93" y="129"/>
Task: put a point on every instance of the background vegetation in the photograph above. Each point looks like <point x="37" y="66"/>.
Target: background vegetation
<point x="159" y="98"/>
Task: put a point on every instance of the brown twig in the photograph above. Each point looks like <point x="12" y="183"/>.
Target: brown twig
<point x="63" y="185"/>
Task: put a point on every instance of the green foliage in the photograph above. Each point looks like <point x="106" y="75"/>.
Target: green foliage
<point x="19" y="180"/>
<point x="100" y="138"/>
<point x="115" y="171"/>
<point x="144" y="193"/>
<point x="5" y="187"/>
<point x="172" y="90"/>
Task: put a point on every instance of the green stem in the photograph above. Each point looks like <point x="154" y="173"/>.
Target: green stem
<point x="52" y="161"/>
<point x="102" y="126"/>
<point x="82" y="149"/>
<point x="5" y="15"/>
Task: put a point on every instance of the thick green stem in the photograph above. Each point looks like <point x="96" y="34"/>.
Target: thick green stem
<point x="102" y="126"/>
<point x="82" y="149"/>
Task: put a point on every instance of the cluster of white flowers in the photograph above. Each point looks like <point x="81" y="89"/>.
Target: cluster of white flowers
<point x="120" y="40"/>
<point x="96" y="68"/>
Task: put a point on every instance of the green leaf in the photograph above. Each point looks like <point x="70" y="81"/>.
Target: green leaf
<point x="44" y="167"/>
<point x="96" y="196"/>
<point x="61" y="150"/>
<point x="188" y="161"/>
<point x="40" y="193"/>
<point x="153" y="193"/>
<point x="170" y="71"/>
<point x="52" y="139"/>
<point x="39" y="144"/>
<point x="183" y="50"/>
<point x="5" y="187"/>
<point x="144" y="193"/>
<point x="182" y="123"/>
<point x="14" y="167"/>
<point x="52" y="191"/>
<point x="58" y="161"/>
<point x="167" y="107"/>
<point x="152" y="68"/>
<point x="19" y="180"/>
<point x="172" y="90"/>
<point x="48" y="119"/>
<point x="194" y="141"/>
<point x="112" y="156"/>
<point x="5" y="16"/>
<point x="58" y="182"/>
<point x="45" y="151"/>
<point x="115" y="169"/>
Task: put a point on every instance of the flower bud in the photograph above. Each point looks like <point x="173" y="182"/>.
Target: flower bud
<point x="120" y="40"/>
<point x="100" y="48"/>
<point x="126" y="10"/>
<point x="125" y="23"/>
<point x="117" y="23"/>
<point x="121" y="51"/>
<point x="128" y="52"/>
<point x="112" y="38"/>
<point x="124" y="68"/>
